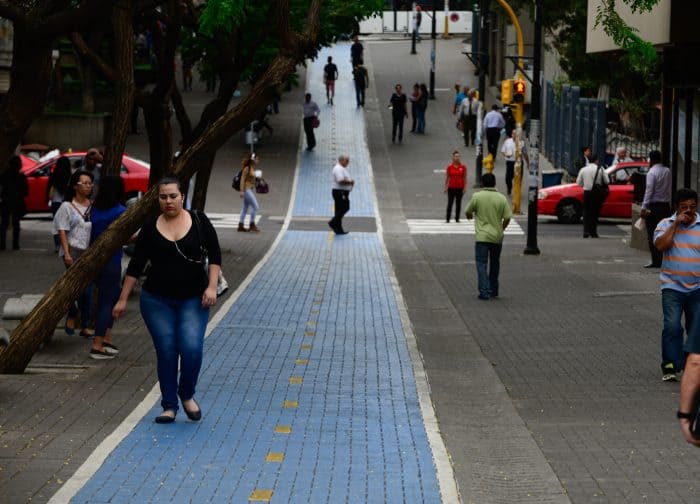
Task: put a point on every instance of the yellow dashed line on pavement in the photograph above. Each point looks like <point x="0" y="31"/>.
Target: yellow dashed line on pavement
<point x="274" y="457"/>
<point x="291" y="404"/>
<point x="283" y="429"/>
<point x="301" y="362"/>
<point x="296" y="380"/>
<point x="260" y="496"/>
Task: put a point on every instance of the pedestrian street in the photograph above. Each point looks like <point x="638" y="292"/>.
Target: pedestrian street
<point x="312" y="389"/>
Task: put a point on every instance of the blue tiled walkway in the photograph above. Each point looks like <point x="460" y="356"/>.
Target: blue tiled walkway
<point x="307" y="388"/>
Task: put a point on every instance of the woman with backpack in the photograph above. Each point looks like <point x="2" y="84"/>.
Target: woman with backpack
<point x="247" y="192"/>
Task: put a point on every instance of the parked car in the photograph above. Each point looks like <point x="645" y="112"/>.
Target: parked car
<point x="134" y="173"/>
<point x="566" y="200"/>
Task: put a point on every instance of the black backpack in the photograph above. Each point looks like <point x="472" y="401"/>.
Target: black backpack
<point x="236" y="183"/>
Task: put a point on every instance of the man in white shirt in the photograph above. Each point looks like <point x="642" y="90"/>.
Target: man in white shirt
<point x="469" y="110"/>
<point x="621" y="157"/>
<point x="493" y="124"/>
<point x="342" y="185"/>
<point x="508" y="151"/>
<point x="590" y="176"/>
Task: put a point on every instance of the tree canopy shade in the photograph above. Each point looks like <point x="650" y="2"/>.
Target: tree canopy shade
<point x="293" y="31"/>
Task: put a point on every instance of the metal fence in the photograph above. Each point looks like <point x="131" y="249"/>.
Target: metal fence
<point x="571" y="123"/>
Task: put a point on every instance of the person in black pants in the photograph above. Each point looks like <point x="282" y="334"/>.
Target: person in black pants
<point x="311" y="110"/>
<point x="342" y="185"/>
<point x="398" y="113"/>
<point x="589" y="176"/>
<point x="657" y="202"/>
<point x="493" y="124"/>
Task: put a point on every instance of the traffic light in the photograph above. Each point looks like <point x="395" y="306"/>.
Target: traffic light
<point x="506" y="91"/>
<point x="519" y="91"/>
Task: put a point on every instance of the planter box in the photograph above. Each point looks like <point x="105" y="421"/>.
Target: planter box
<point x="69" y="130"/>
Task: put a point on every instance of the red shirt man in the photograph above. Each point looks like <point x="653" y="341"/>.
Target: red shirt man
<point x="455" y="185"/>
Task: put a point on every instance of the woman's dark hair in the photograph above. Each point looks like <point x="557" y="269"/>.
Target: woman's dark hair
<point x="171" y="178"/>
<point x="14" y="165"/>
<point x="111" y="192"/>
<point x="593" y="158"/>
<point x="74" y="179"/>
<point x="60" y="176"/>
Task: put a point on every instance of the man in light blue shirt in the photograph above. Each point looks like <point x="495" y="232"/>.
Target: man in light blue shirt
<point x="657" y="202"/>
<point x="493" y="124"/>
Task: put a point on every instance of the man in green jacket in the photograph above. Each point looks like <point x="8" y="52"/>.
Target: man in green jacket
<point x="492" y="217"/>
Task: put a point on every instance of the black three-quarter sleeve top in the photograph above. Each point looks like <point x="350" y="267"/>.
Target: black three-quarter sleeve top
<point x="177" y="268"/>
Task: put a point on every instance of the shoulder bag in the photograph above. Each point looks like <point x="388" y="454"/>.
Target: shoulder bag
<point x="222" y="284"/>
<point x="600" y="189"/>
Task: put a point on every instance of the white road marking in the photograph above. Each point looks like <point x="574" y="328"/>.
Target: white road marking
<point x="437" y="226"/>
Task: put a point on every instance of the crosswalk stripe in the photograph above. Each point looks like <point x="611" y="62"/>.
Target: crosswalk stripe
<point x="437" y="226"/>
<point x="228" y="221"/>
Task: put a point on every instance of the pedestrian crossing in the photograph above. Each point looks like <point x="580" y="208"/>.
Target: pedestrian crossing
<point x="466" y="227"/>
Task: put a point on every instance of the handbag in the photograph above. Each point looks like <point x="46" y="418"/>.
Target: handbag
<point x="600" y="190"/>
<point x="221" y="283"/>
<point x="315" y="122"/>
<point x="261" y="186"/>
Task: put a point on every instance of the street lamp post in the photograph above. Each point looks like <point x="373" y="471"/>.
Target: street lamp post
<point x="432" y="52"/>
<point x="535" y="126"/>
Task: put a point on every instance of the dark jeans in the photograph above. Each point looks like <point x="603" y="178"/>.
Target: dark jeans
<point x="414" y="116"/>
<point x="510" y="173"/>
<point x="108" y="288"/>
<point x="452" y="195"/>
<point x="177" y="329"/>
<point x="397" y="125"/>
<point x="591" y="212"/>
<point x="6" y="217"/>
<point x="309" y="130"/>
<point x="83" y="306"/>
<point x="341" y="200"/>
<point x="420" y="120"/>
<point x="675" y="304"/>
<point x="492" y="136"/>
<point x="659" y="211"/>
<point x="469" y="129"/>
<point x="360" y="95"/>
<point x="488" y="265"/>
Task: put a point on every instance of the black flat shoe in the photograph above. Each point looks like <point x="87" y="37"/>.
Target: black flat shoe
<point x="163" y="419"/>
<point x="195" y="416"/>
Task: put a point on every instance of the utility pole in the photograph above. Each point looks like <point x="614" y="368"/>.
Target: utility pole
<point x="413" y="31"/>
<point x="535" y="134"/>
<point x="483" y="48"/>
<point x="432" y="52"/>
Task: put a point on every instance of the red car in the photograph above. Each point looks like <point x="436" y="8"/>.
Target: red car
<point x="566" y="200"/>
<point x="134" y="173"/>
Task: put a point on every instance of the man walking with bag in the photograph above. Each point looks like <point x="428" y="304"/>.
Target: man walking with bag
<point x="595" y="182"/>
<point x="342" y="185"/>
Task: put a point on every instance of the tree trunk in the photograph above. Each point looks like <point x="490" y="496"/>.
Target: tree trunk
<point x="160" y="137"/>
<point x="124" y="89"/>
<point x="199" y="196"/>
<point x="29" y="85"/>
<point x="87" y="75"/>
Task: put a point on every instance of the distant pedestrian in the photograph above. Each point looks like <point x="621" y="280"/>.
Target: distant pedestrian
<point x="460" y="95"/>
<point x="469" y="110"/>
<point x="455" y="185"/>
<point x="413" y="98"/>
<point x="356" y="52"/>
<point x="678" y="238"/>
<point x="361" y="78"/>
<point x="311" y="112"/>
<point x="72" y="224"/>
<point x="657" y="202"/>
<point x="621" y="156"/>
<point x="93" y="164"/>
<point x="397" y="104"/>
<point x="330" y="75"/>
<point x="248" y="194"/>
<point x="342" y="185"/>
<point x="56" y="189"/>
<point x="508" y="151"/>
<point x="187" y="64"/>
<point x="493" y="124"/>
<point x="177" y="294"/>
<point x="417" y="20"/>
<point x="13" y="190"/>
<point x="493" y="215"/>
<point x="583" y="159"/>
<point x="106" y="208"/>
<point x="509" y="118"/>
<point x="589" y="177"/>
<point x="421" y="107"/>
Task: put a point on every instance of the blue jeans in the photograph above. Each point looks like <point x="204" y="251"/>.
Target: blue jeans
<point x="485" y="253"/>
<point x="674" y="304"/>
<point x="177" y="329"/>
<point x="420" y="120"/>
<point x="108" y="288"/>
<point x="249" y="201"/>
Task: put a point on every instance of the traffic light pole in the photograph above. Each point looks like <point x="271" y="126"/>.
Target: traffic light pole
<point x="483" y="61"/>
<point x="535" y="125"/>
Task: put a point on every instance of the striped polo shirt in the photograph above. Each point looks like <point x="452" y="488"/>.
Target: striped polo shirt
<point x="680" y="269"/>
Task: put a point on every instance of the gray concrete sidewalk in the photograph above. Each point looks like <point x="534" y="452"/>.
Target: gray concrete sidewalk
<point x="553" y="392"/>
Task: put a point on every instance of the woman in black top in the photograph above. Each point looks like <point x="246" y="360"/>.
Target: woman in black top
<point x="177" y="294"/>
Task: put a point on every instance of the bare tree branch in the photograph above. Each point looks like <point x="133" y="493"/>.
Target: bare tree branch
<point x="92" y="57"/>
<point x="70" y="20"/>
<point x="13" y="12"/>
